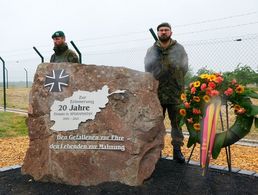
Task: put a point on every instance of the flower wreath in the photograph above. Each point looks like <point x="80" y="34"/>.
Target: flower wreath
<point x="201" y="92"/>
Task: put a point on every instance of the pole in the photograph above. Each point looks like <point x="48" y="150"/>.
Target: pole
<point x="78" y="51"/>
<point x="26" y="71"/>
<point x="4" y="88"/>
<point x="153" y="34"/>
<point x="228" y="152"/>
<point x="6" y="78"/>
<point x="37" y="51"/>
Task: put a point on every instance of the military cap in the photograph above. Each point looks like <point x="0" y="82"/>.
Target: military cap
<point x="164" y="24"/>
<point x="58" y="34"/>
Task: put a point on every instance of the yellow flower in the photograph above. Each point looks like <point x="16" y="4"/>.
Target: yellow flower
<point x="212" y="77"/>
<point x="237" y="107"/>
<point x="206" y="98"/>
<point x="240" y="89"/>
<point x="197" y="126"/>
<point x="239" y="110"/>
<point x="197" y="84"/>
<point x="196" y="99"/>
<point x="182" y="112"/>
<point x="204" y="76"/>
<point x="183" y="97"/>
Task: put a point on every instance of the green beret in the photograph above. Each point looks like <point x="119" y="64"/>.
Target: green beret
<point x="58" y="34"/>
<point x="164" y="24"/>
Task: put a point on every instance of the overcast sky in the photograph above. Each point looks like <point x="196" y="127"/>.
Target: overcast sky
<point x="115" y="32"/>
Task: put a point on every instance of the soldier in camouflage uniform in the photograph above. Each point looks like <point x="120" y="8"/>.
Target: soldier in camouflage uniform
<point x="168" y="62"/>
<point x="62" y="52"/>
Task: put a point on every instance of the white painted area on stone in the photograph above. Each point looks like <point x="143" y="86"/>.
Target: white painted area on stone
<point x="80" y="107"/>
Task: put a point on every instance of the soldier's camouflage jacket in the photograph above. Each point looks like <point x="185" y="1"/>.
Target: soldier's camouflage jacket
<point x="64" y="54"/>
<point x="169" y="67"/>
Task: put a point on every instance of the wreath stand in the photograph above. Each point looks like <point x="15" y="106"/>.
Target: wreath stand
<point x="227" y="148"/>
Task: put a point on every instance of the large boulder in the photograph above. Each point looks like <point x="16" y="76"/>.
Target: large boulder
<point x="90" y="124"/>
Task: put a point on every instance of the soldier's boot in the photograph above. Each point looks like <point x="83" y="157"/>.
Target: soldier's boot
<point x="178" y="156"/>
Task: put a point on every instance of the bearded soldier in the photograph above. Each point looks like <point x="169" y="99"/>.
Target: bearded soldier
<point x="62" y="52"/>
<point x="168" y="63"/>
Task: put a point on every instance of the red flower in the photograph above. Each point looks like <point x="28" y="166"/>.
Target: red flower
<point x="228" y="92"/>
<point x="203" y="86"/>
<point x="233" y="81"/>
<point x="219" y="79"/>
<point x="241" y="111"/>
<point x="190" y="120"/>
<point x="187" y="105"/>
<point x="214" y="93"/>
<point x="193" y="90"/>
<point x="208" y="91"/>
<point x="196" y="111"/>
<point x="212" y="85"/>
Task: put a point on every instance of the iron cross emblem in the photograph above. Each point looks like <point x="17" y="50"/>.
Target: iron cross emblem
<point x="58" y="79"/>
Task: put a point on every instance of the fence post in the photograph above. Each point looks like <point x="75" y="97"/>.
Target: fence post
<point x="26" y="72"/>
<point x="42" y="58"/>
<point x="4" y="88"/>
<point x="7" y="81"/>
<point x="78" y="51"/>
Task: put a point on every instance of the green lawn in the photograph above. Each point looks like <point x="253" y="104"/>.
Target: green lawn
<point x="12" y="125"/>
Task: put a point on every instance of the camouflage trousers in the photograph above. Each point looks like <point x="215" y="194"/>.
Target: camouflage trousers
<point x="176" y="131"/>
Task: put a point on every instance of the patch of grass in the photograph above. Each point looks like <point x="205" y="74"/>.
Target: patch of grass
<point x="12" y="125"/>
<point x="16" y="98"/>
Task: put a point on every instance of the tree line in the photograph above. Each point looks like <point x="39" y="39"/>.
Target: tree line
<point x="244" y="75"/>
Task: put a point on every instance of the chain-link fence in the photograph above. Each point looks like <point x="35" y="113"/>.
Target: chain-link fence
<point x="223" y="54"/>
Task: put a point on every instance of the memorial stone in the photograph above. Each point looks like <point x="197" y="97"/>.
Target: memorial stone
<point x="90" y="124"/>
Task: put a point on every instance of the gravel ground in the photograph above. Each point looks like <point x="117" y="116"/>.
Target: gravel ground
<point x="13" y="152"/>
